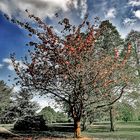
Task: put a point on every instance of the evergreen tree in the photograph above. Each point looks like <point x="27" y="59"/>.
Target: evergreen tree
<point x="134" y="38"/>
<point x="5" y="94"/>
<point x="110" y="42"/>
<point x="21" y="105"/>
<point x="109" y="38"/>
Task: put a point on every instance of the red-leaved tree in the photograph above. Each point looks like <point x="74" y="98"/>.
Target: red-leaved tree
<point x="69" y="69"/>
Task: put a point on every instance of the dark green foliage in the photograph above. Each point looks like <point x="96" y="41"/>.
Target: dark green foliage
<point x="23" y="104"/>
<point x="109" y="38"/>
<point x="20" y="106"/>
<point x="5" y="94"/>
<point x="5" y="99"/>
<point x="134" y="38"/>
<point x="30" y="123"/>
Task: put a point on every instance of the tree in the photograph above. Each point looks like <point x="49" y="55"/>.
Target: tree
<point x="110" y="39"/>
<point x="134" y="36"/>
<point x="130" y="105"/>
<point x="110" y="42"/>
<point x="61" y="117"/>
<point x="68" y="69"/>
<point x="49" y="114"/>
<point x="21" y="105"/>
<point x="5" y="94"/>
<point x="125" y="111"/>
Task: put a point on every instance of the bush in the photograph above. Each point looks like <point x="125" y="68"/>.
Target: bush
<point x="30" y="123"/>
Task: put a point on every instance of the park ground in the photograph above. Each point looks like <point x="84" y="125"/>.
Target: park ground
<point x="97" y="131"/>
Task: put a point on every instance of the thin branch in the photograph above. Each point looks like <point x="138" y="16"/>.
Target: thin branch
<point x="122" y="91"/>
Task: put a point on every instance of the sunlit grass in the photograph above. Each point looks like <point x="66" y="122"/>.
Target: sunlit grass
<point x="124" y="131"/>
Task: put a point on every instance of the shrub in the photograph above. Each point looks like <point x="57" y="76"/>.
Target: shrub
<point x="30" y="123"/>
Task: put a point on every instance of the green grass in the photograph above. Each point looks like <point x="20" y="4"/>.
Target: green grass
<point x="124" y="131"/>
<point x="101" y="130"/>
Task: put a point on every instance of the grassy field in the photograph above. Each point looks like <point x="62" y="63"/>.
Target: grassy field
<point x="124" y="131"/>
<point x="101" y="131"/>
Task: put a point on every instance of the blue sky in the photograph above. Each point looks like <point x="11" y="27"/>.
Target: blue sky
<point x="124" y="14"/>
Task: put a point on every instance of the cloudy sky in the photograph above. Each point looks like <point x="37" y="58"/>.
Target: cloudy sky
<point x="124" y="14"/>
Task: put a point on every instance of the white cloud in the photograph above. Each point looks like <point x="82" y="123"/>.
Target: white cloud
<point x="7" y="60"/>
<point x="46" y="101"/>
<point x="134" y="2"/>
<point x="129" y="21"/>
<point x="1" y="66"/>
<point x="111" y="13"/>
<point x="137" y="13"/>
<point x="10" y="65"/>
<point x="83" y="7"/>
<point x="41" y="8"/>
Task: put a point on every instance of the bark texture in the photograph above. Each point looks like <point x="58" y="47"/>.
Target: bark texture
<point x="77" y="129"/>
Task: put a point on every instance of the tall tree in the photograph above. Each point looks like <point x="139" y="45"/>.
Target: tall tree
<point x="134" y="37"/>
<point x="110" y="42"/>
<point x="5" y="94"/>
<point x="21" y="105"/>
<point x="68" y="68"/>
<point x="110" y="38"/>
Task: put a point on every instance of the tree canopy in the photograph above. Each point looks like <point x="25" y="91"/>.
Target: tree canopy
<point x="50" y="115"/>
<point x="68" y="68"/>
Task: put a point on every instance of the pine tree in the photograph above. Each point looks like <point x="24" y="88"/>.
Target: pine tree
<point x="24" y="104"/>
<point x="110" y="38"/>
<point x="110" y="42"/>
<point x="5" y="94"/>
<point x="134" y="37"/>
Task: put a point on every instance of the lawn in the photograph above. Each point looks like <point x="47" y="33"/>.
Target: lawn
<point x="124" y="131"/>
<point x="99" y="131"/>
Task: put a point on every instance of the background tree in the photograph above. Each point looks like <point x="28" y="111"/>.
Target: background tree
<point x="21" y="105"/>
<point x="125" y="111"/>
<point x="111" y="43"/>
<point x="132" y="102"/>
<point x="61" y="117"/>
<point x="5" y="94"/>
<point x="134" y="37"/>
<point x="49" y="114"/>
<point x="68" y="69"/>
<point x="110" y="38"/>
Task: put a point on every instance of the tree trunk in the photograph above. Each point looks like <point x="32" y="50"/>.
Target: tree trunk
<point x="111" y="119"/>
<point x="77" y="128"/>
